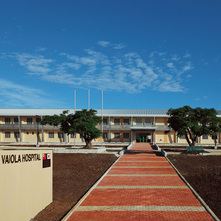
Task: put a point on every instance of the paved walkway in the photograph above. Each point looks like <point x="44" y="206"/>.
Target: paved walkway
<point x="141" y="186"/>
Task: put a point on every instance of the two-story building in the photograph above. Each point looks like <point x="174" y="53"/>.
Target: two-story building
<point x="119" y="125"/>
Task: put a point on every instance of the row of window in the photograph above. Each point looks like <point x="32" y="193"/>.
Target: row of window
<point x="204" y="137"/>
<point x="15" y="120"/>
<point x="126" y="121"/>
<point x="8" y="135"/>
<point x="125" y="135"/>
<point x="16" y="134"/>
<point x="61" y="135"/>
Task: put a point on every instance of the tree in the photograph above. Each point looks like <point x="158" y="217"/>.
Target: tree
<point x="83" y="122"/>
<point x="193" y="123"/>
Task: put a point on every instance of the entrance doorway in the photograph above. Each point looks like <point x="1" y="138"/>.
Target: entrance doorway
<point x="143" y="137"/>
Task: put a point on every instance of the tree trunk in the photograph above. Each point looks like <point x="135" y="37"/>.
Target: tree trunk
<point x="88" y="144"/>
<point x="187" y="139"/>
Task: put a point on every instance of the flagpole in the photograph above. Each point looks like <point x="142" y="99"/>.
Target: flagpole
<point x="74" y="111"/>
<point x="88" y="106"/>
<point x="74" y="100"/>
<point x="102" y="117"/>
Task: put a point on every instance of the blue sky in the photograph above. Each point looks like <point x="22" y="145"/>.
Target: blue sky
<point x="146" y="54"/>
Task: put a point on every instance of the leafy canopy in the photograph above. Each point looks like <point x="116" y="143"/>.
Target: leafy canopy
<point x="83" y="122"/>
<point x="193" y="123"/>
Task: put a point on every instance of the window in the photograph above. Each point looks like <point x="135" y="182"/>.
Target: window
<point x="116" y="121"/>
<point x="104" y="135"/>
<point x="60" y="135"/>
<point x="38" y="119"/>
<point x="32" y="133"/>
<point x="105" y="121"/>
<point x="7" y="135"/>
<point x="7" y="120"/>
<point x="205" y="137"/>
<point x="126" y="121"/>
<point x="15" y="120"/>
<point x="126" y="135"/>
<point x="51" y="135"/>
<point x="147" y="121"/>
<point x="138" y="121"/>
<point x="182" y="137"/>
<point x="117" y="135"/>
<point x="29" y="120"/>
<point x="73" y="135"/>
<point x="16" y="135"/>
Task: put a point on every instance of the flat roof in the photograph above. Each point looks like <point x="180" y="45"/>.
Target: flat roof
<point x="106" y="112"/>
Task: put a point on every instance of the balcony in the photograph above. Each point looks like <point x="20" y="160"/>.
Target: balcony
<point x="144" y="127"/>
<point x="9" y="127"/>
<point x="114" y="127"/>
<point x="162" y="127"/>
<point x="27" y="127"/>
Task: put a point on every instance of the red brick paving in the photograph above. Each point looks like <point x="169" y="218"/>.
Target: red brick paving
<point x="115" y="170"/>
<point x="139" y="216"/>
<point x="140" y="197"/>
<point x="142" y="164"/>
<point x="140" y="181"/>
<point x="135" y="190"/>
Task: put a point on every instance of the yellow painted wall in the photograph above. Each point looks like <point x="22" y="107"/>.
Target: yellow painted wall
<point x="25" y="187"/>
<point x="207" y="141"/>
<point x="160" y="121"/>
<point x="11" y="139"/>
<point x="160" y="137"/>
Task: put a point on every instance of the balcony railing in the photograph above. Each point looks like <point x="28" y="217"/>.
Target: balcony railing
<point x="105" y="127"/>
<point x="9" y="126"/>
<point x="27" y="127"/>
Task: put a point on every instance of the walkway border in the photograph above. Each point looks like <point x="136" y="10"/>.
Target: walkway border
<point x="70" y="212"/>
<point x="194" y="192"/>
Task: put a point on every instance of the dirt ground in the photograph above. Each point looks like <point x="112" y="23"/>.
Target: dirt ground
<point x="203" y="173"/>
<point x="73" y="175"/>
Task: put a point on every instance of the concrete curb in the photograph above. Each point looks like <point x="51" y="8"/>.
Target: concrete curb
<point x="194" y="192"/>
<point x="125" y="149"/>
<point x="67" y="216"/>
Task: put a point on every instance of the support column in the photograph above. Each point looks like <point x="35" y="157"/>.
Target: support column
<point x="19" y="126"/>
<point x="109" y="129"/>
<point x="131" y="134"/>
<point x="42" y="131"/>
<point x="65" y="137"/>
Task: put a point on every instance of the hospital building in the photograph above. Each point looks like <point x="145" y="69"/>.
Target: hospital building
<point x="119" y="125"/>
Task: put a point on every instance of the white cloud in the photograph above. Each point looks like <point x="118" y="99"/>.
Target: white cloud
<point x="170" y="65"/>
<point x="169" y="86"/>
<point x="119" y="46"/>
<point x="40" y="49"/>
<point x="187" y="55"/>
<point x="121" y="72"/>
<point x="36" y="64"/>
<point x="16" y="95"/>
<point x="104" y="43"/>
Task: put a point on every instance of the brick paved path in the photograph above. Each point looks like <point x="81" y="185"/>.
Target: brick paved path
<point x="141" y="186"/>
